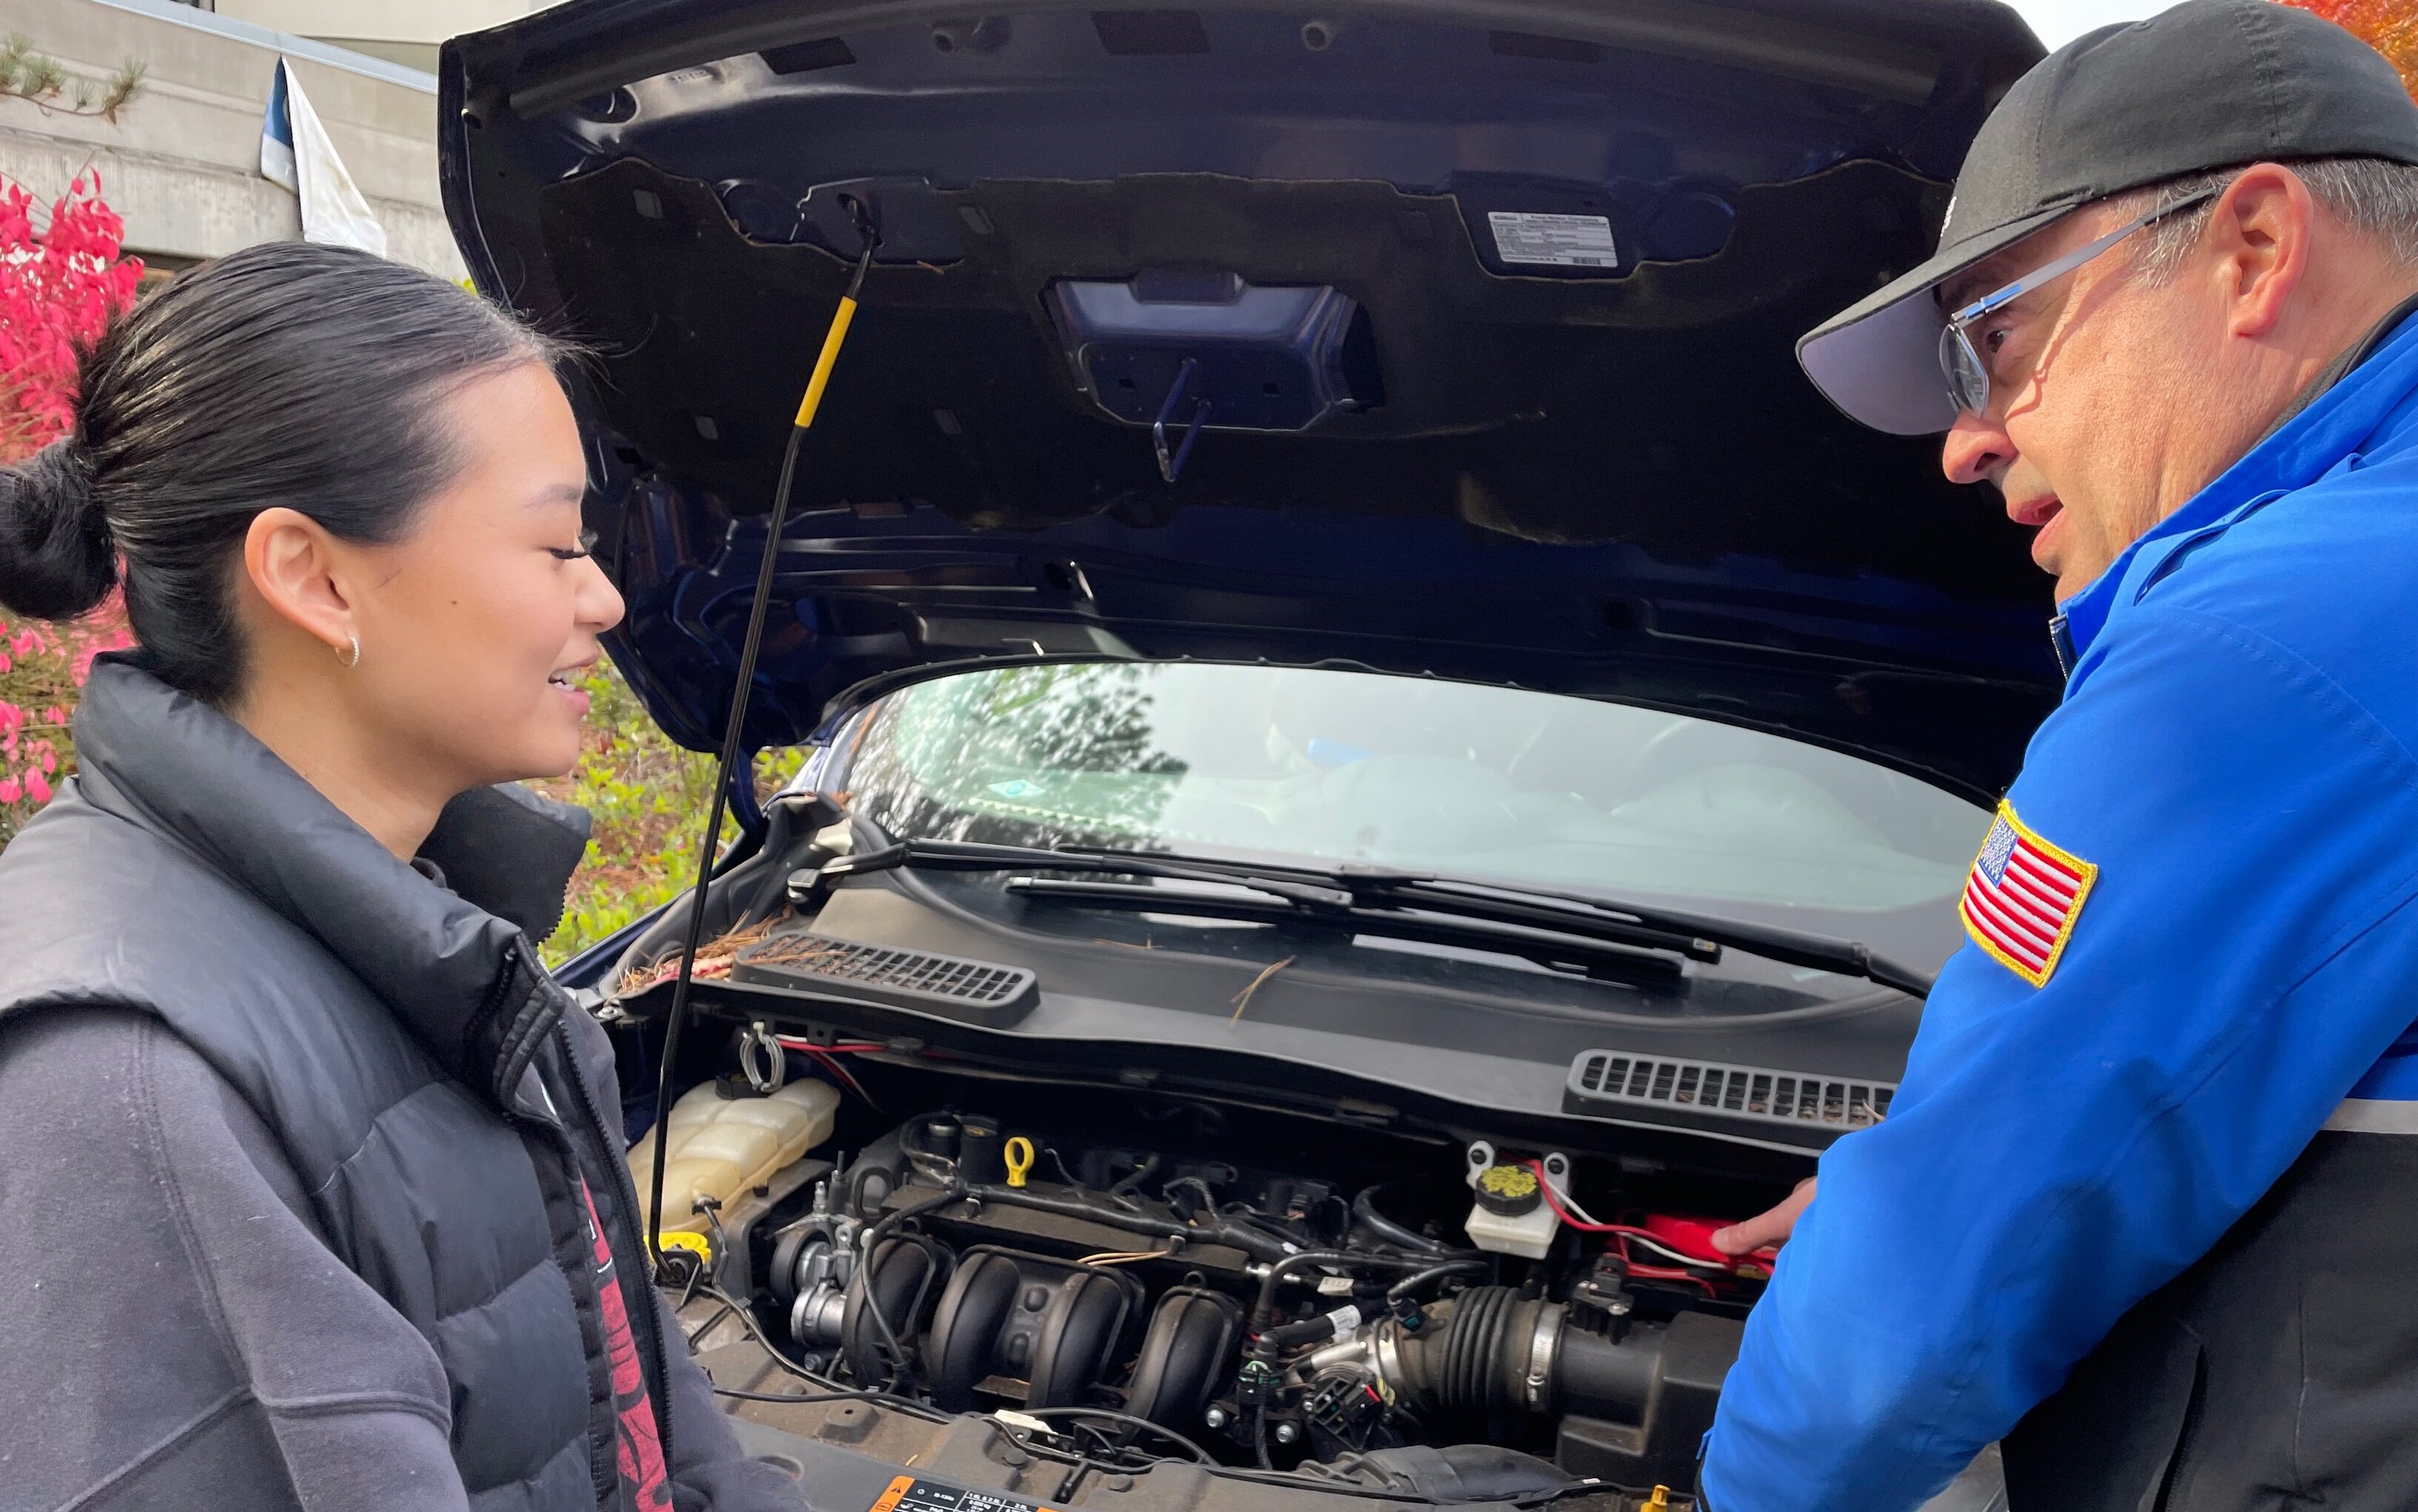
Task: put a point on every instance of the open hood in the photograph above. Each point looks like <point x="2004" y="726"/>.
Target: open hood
<point x="1470" y="323"/>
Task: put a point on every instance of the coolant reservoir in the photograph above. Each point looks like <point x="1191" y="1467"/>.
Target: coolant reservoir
<point x="721" y="1146"/>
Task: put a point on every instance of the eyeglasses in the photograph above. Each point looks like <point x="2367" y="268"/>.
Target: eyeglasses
<point x="1968" y="378"/>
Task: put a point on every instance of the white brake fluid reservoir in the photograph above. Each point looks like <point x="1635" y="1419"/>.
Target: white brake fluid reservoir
<point x="1528" y="1236"/>
<point x="721" y="1146"/>
<point x="1511" y="1216"/>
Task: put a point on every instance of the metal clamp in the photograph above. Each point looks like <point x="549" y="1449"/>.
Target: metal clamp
<point x="1544" y="1342"/>
<point x="1170" y="465"/>
<point x="758" y="1045"/>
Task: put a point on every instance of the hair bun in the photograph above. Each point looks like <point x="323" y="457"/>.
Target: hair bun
<point x="56" y="557"/>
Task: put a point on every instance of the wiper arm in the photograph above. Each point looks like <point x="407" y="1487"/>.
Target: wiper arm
<point x="1793" y="947"/>
<point x="968" y="856"/>
<point x="1372" y="895"/>
<point x="1547" y="946"/>
<point x="1585" y="912"/>
<point x="1310" y="890"/>
<point x="1790" y="947"/>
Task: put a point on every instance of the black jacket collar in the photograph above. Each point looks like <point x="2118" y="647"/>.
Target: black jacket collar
<point x="444" y="958"/>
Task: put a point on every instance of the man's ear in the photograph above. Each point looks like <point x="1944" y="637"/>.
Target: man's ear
<point x="2260" y="234"/>
<point x="292" y="562"/>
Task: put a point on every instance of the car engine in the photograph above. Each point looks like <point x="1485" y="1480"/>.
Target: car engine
<point x="1167" y="1279"/>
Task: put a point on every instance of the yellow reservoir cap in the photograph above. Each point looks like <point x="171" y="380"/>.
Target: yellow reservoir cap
<point x="1514" y="1182"/>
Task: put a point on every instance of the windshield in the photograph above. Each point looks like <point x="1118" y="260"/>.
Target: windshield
<point x="1479" y="782"/>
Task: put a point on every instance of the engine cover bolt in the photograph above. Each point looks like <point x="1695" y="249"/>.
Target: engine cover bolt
<point x="1217" y="1417"/>
<point x="1286" y="1432"/>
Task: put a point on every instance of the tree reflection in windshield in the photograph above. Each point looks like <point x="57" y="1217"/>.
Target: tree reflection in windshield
<point x="1022" y="755"/>
<point x="1411" y="773"/>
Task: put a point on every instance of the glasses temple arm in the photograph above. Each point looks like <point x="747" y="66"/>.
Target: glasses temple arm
<point x="2073" y="260"/>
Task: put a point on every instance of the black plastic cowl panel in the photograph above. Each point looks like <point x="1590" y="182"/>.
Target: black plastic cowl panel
<point x="971" y="991"/>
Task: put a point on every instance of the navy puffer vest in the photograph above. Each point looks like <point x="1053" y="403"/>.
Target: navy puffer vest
<point x="400" y="1040"/>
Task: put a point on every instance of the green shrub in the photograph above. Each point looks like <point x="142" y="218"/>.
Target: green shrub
<point x="649" y="799"/>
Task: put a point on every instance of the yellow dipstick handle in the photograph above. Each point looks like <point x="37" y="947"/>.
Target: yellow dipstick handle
<point x="1018" y="1152"/>
<point x="821" y="379"/>
<point x="1660" y="1501"/>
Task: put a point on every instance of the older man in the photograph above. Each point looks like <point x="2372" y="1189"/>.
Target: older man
<point x="2146" y="1204"/>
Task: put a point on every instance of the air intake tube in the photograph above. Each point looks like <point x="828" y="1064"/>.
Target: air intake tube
<point x="1497" y="1358"/>
<point x="1493" y="1362"/>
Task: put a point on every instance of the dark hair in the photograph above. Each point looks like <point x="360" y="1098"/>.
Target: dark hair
<point x="286" y="374"/>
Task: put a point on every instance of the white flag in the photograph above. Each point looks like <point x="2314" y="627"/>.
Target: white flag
<point x="294" y="152"/>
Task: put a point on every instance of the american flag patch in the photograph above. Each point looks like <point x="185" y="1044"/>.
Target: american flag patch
<point x="2022" y="897"/>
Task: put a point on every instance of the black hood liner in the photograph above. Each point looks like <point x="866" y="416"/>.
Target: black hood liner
<point x="1508" y="416"/>
<point x="1505" y="402"/>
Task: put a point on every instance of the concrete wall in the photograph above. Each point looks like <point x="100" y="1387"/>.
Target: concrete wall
<point x="182" y="162"/>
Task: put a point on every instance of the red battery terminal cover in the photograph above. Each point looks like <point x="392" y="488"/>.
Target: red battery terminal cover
<point x="1693" y="1237"/>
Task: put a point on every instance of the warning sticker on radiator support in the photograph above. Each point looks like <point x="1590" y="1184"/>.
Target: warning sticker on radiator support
<point x="1552" y="240"/>
<point x="909" y="1494"/>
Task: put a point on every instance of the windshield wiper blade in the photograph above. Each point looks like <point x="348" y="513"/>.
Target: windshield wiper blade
<point x="1582" y="911"/>
<point x="1305" y="889"/>
<point x="1547" y="947"/>
<point x="1789" y="947"/>
<point x="970" y="856"/>
<point x="1823" y="952"/>
<point x="1373" y="892"/>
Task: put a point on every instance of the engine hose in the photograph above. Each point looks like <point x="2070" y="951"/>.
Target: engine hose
<point x="1309" y="1331"/>
<point x="873" y="1235"/>
<point x="1364" y="1208"/>
<point x="1411" y="1286"/>
<point x="1265" y="1308"/>
<point x="1141" y="1173"/>
<point x="1318" y="1330"/>
<point x="883" y="1226"/>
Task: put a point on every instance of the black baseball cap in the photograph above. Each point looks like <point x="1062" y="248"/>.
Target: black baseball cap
<point x="2208" y="84"/>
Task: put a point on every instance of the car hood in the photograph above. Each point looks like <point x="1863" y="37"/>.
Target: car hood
<point x="1491" y="306"/>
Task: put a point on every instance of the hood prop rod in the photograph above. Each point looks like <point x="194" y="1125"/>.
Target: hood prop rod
<point x="1170" y="465"/>
<point x="734" y="731"/>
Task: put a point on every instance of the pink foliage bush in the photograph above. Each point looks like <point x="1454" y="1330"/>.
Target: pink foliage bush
<point x="62" y="279"/>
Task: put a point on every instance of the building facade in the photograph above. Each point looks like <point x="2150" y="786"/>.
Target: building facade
<point x="182" y="162"/>
<point x="399" y="31"/>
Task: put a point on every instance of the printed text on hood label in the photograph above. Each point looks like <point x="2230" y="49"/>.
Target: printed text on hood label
<point x="1552" y="240"/>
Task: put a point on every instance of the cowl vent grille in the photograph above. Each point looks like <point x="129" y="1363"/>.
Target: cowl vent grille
<point x="977" y="991"/>
<point x="1737" y="1092"/>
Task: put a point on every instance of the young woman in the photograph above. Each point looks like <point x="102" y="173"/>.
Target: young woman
<point x="311" y="1191"/>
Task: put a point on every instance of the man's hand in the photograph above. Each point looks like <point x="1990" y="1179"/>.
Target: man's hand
<point x="1772" y="1228"/>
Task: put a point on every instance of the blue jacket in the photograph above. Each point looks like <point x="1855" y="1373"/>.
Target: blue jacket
<point x="2232" y="774"/>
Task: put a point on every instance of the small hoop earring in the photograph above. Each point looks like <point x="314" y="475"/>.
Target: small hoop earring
<point x="355" y="659"/>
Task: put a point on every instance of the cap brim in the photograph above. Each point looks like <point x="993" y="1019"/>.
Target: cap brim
<point x="1878" y="359"/>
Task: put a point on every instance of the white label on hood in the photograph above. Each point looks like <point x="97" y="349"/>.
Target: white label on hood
<point x="1552" y="240"/>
